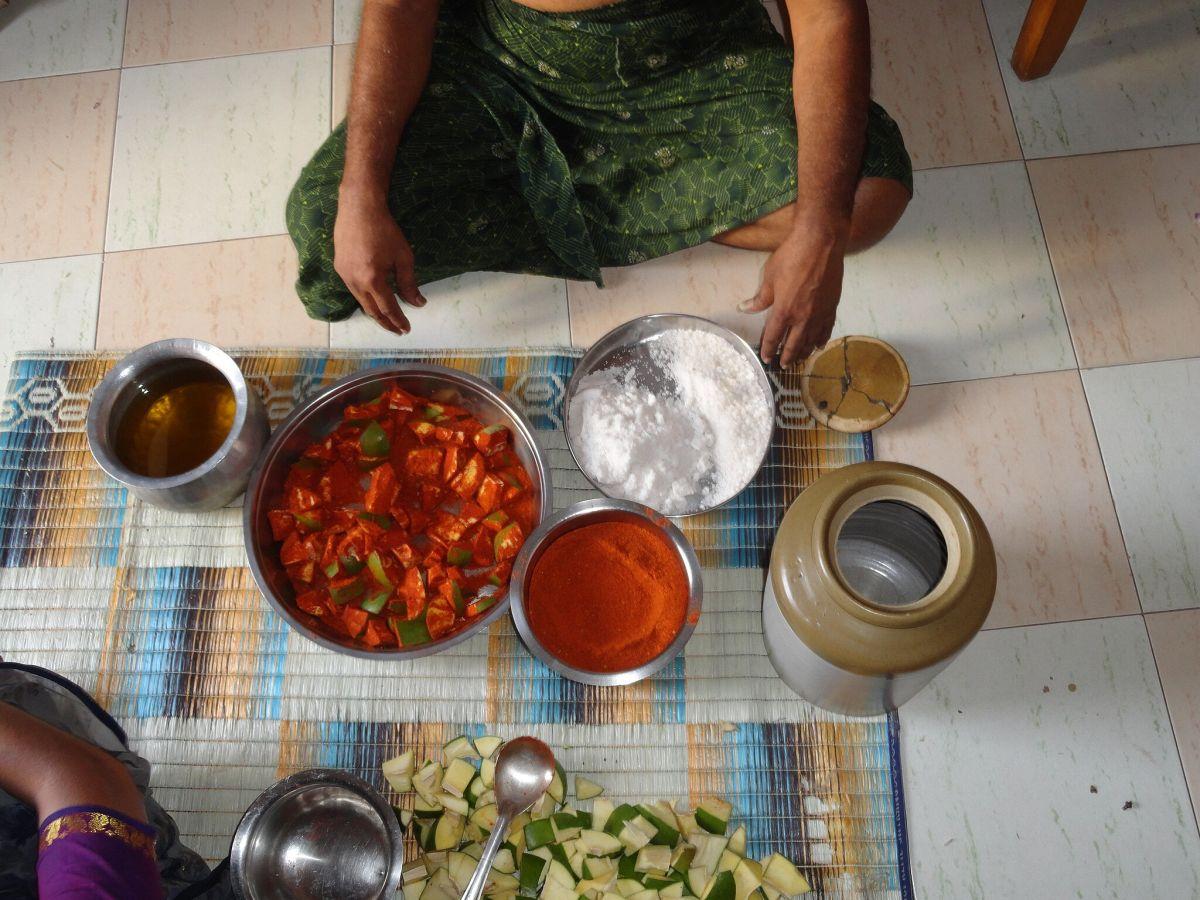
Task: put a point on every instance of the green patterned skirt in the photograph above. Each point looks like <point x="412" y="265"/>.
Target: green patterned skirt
<point x="555" y="144"/>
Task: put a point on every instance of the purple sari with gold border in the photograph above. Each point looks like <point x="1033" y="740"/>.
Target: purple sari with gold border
<point x="92" y="852"/>
<point x="95" y="853"/>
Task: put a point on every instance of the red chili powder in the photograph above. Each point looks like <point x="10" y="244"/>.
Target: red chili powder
<point x="607" y="597"/>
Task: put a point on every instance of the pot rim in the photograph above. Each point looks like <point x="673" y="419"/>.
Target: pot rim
<point x="661" y="322"/>
<point x="145" y="359"/>
<point x="239" y="845"/>
<point x="935" y="502"/>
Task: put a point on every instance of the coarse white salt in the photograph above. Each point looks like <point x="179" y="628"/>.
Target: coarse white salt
<point x="682" y="431"/>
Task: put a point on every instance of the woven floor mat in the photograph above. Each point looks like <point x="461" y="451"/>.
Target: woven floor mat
<point x="155" y="613"/>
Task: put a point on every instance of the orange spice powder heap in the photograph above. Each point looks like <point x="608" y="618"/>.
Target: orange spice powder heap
<point x="607" y="597"/>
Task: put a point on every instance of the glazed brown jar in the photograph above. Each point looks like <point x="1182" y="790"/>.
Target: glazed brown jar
<point x="880" y="574"/>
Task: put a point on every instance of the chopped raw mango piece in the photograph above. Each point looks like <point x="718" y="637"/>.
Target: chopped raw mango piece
<point x="631" y="851"/>
<point x="713" y="815"/>
<point x="781" y="874"/>
<point x="399" y="771"/>
<point x="459" y="747"/>
<point x="586" y="789"/>
<point x="487" y="745"/>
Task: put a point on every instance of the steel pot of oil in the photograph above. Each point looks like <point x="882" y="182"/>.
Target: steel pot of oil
<point x="176" y="423"/>
<point x="880" y="574"/>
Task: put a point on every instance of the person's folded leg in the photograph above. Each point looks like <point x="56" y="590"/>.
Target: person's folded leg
<point x="884" y="189"/>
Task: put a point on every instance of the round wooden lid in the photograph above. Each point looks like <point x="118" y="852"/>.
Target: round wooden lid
<point x="854" y="383"/>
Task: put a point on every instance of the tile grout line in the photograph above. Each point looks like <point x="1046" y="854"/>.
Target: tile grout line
<point x="1099" y="448"/>
<point x="165" y="62"/>
<point x="1116" y="150"/>
<point x="1059" y="156"/>
<point x="1070" y="334"/>
<point x="1137" y="592"/>
<point x="248" y="237"/>
<point x="1032" y="193"/>
<point x="1003" y="84"/>
<point x="112" y="165"/>
<point x="1193" y="801"/>
<point x="174" y="62"/>
<point x="1077" y="621"/>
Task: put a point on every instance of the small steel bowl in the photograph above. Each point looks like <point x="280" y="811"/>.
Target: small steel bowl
<point x="217" y="480"/>
<point x="320" y="833"/>
<point x="312" y="421"/>
<point x="630" y="343"/>
<point x="593" y="512"/>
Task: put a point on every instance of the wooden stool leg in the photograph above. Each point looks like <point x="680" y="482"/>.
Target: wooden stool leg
<point x="1048" y="25"/>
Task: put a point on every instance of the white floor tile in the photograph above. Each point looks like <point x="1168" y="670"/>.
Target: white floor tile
<point x="1129" y="77"/>
<point x="49" y="304"/>
<point x="1125" y="243"/>
<point x="1149" y="433"/>
<point x="232" y="293"/>
<point x="1041" y="765"/>
<point x="56" y="144"/>
<point x="480" y="309"/>
<point x="160" y="31"/>
<point x="57" y="37"/>
<point x="345" y="20"/>
<point x="708" y="280"/>
<point x="1024" y="452"/>
<point x="963" y="287"/>
<point x="933" y="68"/>
<point x="208" y="150"/>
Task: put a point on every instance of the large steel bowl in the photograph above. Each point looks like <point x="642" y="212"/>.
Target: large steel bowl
<point x="630" y="344"/>
<point x="593" y="512"/>
<point x="317" y="834"/>
<point x="315" y="419"/>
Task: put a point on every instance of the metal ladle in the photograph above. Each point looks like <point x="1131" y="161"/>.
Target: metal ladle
<point x="524" y="769"/>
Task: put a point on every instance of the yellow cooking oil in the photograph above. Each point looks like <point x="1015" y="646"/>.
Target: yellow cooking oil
<point x="175" y="420"/>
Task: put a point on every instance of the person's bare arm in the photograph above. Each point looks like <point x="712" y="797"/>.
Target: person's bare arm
<point x="391" y="65"/>
<point x="50" y="770"/>
<point x="802" y="280"/>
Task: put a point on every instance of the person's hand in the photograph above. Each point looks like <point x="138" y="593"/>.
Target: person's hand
<point x="374" y="258"/>
<point x="802" y="283"/>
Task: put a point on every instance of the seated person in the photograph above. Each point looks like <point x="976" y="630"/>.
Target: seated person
<point x="94" y="841"/>
<point x="77" y="818"/>
<point x="557" y="136"/>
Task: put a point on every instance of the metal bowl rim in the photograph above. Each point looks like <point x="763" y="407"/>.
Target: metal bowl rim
<point x="143" y="359"/>
<point x="736" y="339"/>
<point x="297" y="417"/>
<point x="297" y="781"/>
<point x="588" y="509"/>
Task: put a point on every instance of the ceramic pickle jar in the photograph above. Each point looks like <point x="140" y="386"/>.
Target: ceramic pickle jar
<point x="880" y="574"/>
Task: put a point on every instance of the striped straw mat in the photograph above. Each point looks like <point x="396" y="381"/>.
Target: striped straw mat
<point x="156" y="614"/>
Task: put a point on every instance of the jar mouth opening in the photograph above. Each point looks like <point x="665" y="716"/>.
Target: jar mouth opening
<point x="111" y="400"/>
<point x="890" y="553"/>
<point x="151" y="382"/>
<point x="895" y="553"/>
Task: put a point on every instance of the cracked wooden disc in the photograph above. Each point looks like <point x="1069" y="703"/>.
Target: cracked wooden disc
<point x="854" y="383"/>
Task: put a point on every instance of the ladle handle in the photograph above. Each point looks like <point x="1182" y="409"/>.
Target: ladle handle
<point x="479" y="880"/>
